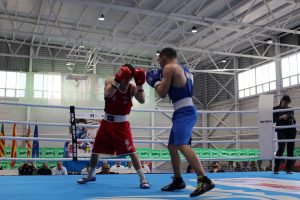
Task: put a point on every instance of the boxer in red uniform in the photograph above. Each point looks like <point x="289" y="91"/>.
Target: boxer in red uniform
<point x="114" y="136"/>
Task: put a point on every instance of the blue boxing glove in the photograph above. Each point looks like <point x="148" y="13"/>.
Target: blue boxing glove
<point x="153" y="77"/>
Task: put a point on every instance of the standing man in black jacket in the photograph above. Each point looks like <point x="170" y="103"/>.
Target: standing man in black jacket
<point x="285" y="118"/>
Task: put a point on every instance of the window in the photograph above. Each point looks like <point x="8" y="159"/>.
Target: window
<point x="257" y="80"/>
<point x="101" y="83"/>
<point x="47" y="86"/>
<point x="290" y="68"/>
<point x="12" y="84"/>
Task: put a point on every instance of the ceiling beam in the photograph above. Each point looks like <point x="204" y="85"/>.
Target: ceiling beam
<point x="181" y="17"/>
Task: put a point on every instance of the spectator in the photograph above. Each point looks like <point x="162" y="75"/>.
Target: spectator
<point x="129" y="168"/>
<point x="117" y="165"/>
<point x="259" y="165"/>
<point x="190" y="169"/>
<point x="59" y="169"/>
<point x="129" y="165"/>
<point x="238" y="167"/>
<point x="44" y="170"/>
<point x="145" y="167"/>
<point x="253" y="167"/>
<point x="269" y="168"/>
<point x="85" y="170"/>
<point x="216" y="168"/>
<point x="26" y="169"/>
<point x="106" y="170"/>
<point x="230" y="166"/>
<point x="285" y="118"/>
<point x="245" y="166"/>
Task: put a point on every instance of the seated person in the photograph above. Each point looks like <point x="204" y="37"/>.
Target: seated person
<point x="190" y="169"/>
<point x="85" y="170"/>
<point x="259" y="165"/>
<point x="117" y="165"/>
<point x="105" y="169"/>
<point x="230" y="166"/>
<point x="26" y="169"/>
<point x="238" y="167"/>
<point x="129" y="167"/>
<point x="245" y="166"/>
<point x="59" y="169"/>
<point x="145" y="167"/>
<point x="216" y="168"/>
<point x="44" y="170"/>
<point x="252" y="166"/>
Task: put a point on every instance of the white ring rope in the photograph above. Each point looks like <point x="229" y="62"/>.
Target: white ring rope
<point x="288" y="126"/>
<point x="134" y="110"/>
<point x="126" y="160"/>
<point x="138" y="141"/>
<point x="145" y="110"/>
<point x="286" y="109"/>
<point x="287" y="140"/>
<point x="34" y="123"/>
<point x="287" y="158"/>
<point x="132" y="127"/>
<point x="135" y="141"/>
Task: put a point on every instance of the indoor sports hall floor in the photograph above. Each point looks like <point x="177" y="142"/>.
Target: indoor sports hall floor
<point x="244" y="185"/>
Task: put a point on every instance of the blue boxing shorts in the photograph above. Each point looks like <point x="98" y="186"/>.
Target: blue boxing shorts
<point x="183" y="121"/>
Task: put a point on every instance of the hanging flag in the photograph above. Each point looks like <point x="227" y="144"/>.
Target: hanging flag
<point x="28" y="143"/>
<point x="35" y="144"/>
<point x="2" y="142"/>
<point x="13" y="147"/>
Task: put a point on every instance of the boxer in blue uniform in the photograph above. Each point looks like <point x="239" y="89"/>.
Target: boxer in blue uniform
<point x="177" y="81"/>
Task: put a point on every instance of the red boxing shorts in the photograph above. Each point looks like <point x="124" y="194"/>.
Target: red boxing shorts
<point x="114" y="138"/>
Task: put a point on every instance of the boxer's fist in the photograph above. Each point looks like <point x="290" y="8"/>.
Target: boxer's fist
<point x="153" y="77"/>
<point x="123" y="73"/>
<point x="139" y="76"/>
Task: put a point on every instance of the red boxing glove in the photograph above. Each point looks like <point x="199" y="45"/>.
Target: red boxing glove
<point x="139" y="76"/>
<point x="123" y="73"/>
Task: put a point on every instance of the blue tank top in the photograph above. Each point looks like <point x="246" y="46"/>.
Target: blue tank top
<point x="178" y="93"/>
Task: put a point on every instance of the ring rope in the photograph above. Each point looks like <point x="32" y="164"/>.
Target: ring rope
<point x="132" y="127"/>
<point x="125" y="160"/>
<point x="135" y="141"/>
<point x="134" y="110"/>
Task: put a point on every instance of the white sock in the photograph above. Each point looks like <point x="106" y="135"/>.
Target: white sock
<point x="91" y="173"/>
<point x="141" y="174"/>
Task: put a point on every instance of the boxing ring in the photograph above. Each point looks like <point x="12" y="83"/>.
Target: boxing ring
<point x="229" y="185"/>
<point x="245" y="185"/>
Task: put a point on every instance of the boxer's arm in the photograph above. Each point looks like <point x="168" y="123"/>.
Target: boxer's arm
<point x="138" y="94"/>
<point x="109" y="91"/>
<point x="163" y="88"/>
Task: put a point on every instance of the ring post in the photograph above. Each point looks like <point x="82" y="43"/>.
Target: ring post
<point x="73" y="132"/>
<point x="265" y="130"/>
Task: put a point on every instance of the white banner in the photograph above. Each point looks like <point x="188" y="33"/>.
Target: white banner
<point x="265" y="109"/>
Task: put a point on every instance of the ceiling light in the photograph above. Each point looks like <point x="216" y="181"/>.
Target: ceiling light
<point x="70" y="68"/>
<point x="223" y="61"/>
<point x="270" y="42"/>
<point x="81" y="46"/>
<point x="70" y="63"/>
<point x="157" y="53"/>
<point x="194" y="29"/>
<point x="101" y="17"/>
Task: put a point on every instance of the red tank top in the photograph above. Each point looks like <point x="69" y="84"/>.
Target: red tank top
<point x="120" y="103"/>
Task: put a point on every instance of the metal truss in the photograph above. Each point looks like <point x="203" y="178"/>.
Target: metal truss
<point x="69" y="30"/>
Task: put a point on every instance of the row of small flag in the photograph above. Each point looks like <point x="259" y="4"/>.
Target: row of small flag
<point x="32" y="151"/>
